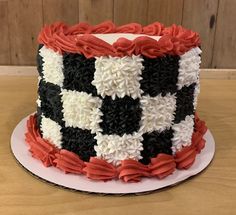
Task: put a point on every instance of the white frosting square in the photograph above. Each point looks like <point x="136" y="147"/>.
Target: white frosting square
<point x="158" y="112"/>
<point x="115" y="76"/>
<point x="51" y="131"/>
<point x="182" y="133"/>
<point x="189" y="65"/>
<point x="81" y="110"/>
<point x="52" y="66"/>
<point x="115" y="148"/>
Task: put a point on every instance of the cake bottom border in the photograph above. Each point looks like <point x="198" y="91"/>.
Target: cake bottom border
<point x="184" y="160"/>
<point x="82" y="183"/>
<point x="98" y="169"/>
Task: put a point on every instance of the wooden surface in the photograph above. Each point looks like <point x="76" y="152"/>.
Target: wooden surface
<point x="211" y="192"/>
<point x="56" y="10"/>
<point x="203" y="20"/>
<point x="32" y="71"/>
<point x="130" y="11"/>
<point x="93" y="11"/>
<point x="22" y="20"/>
<point x="165" y="11"/>
<point x="4" y="35"/>
<point x="225" y="36"/>
<point x="25" y="20"/>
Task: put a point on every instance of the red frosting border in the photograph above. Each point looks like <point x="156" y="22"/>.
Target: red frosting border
<point x="97" y="169"/>
<point x="175" y="40"/>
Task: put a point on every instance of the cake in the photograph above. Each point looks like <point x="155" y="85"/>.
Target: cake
<point x="117" y="102"/>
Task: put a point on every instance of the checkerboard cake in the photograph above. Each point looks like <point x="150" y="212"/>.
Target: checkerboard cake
<point x="117" y="102"/>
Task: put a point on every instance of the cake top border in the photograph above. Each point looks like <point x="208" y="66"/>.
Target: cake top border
<point x="79" y="38"/>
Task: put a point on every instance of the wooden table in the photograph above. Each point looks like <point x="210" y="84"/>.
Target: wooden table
<point x="211" y="192"/>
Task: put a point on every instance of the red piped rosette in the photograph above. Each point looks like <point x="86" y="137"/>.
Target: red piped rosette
<point x="175" y="40"/>
<point x="129" y="170"/>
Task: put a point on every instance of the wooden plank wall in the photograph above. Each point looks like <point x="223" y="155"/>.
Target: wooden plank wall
<point x="21" y="20"/>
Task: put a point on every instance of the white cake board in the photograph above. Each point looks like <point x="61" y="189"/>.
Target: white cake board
<point x="81" y="183"/>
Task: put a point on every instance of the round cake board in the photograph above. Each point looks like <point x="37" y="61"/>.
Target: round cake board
<point x="82" y="183"/>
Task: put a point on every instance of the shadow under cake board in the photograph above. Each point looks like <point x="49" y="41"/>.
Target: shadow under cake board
<point x="81" y="183"/>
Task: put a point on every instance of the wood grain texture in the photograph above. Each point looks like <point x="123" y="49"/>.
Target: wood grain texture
<point x="60" y="10"/>
<point x="130" y="11"/>
<point x="222" y="74"/>
<point x="211" y="192"/>
<point x="201" y="16"/>
<point x="4" y="34"/>
<point x="165" y="11"/>
<point x="95" y="11"/>
<point x="18" y="70"/>
<point x="21" y="22"/>
<point x="225" y="39"/>
<point x="25" y="22"/>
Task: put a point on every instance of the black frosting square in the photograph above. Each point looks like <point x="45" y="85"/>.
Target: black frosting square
<point x="155" y="143"/>
<point x="79" y="73"/>
<point x="51" y="105"/>
<point x="38" y="117"/>
<point x="160" y="75"/>
<point x="120" y="116"/>
<point x="184" y="102"/>
<point x="79" y="141"/>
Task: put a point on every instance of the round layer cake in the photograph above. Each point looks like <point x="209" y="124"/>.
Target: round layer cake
<point x="117" y="102"/>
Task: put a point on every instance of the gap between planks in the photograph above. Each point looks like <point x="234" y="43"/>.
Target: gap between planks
<point x="31" y="71"/>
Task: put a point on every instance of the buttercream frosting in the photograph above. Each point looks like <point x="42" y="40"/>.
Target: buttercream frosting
<point x="69" y="162"/>
<point x="129" y="171"/>
<point x="115" y="148"/>
<point x="40" y="148"/>
<point x="196" y="93"/>
<point x="98" y="169"/>
<point x="51" y="131"/>
<point x="52" y="66"/>
<point x="182" y="133"/>
<point x="162" y="165"/>
<point x="81" y="110"/>
<point x="116" y="76"/>
<point x="157" y="112"/>
<point x="113" y="37"/>
<point x="189" y="65"/>
<point x="174" y="39"/>
<point x="132" y="171"/>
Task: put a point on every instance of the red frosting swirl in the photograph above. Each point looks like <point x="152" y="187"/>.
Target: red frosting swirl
<point x="166" y="45"/>
<point x="98" y="169"/>
<point x="132" y="171"/>
<point x="134" y="28"/>
<point x="103" y="28"/>
<point x="185" y="158"/>
<point x="46" y="38"/>
<point x="162" y="165"/>
<point x="69" y="162"/>
<point x="124" y="47"/>
<point x="174" y="40"/>
<point x="184" y="37"/>
<point x="80" y="28"/>
<point x="40" y="148"/>
<point x="147" y="46"/>
<point x="154" y="29"/>
<point x="200" y="125"/>
<point x="90" y="46"/>
<point x="198" y="141"/>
